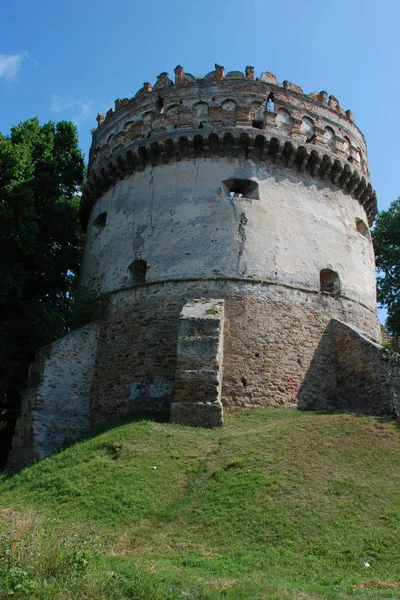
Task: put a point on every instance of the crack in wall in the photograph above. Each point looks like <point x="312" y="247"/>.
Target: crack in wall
<point x="242" y="237"/>
<point x="242" y="222"/>
<point x="151" y="185"/>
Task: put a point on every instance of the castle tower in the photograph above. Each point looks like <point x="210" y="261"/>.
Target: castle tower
<point x="227" y="227"/>
<point x="230" y="188"/>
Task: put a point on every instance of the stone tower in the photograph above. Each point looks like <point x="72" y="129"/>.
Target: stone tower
<point x="227" y="223"/>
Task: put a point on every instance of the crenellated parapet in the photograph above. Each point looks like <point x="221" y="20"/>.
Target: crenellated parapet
<point x="231" y="115"/>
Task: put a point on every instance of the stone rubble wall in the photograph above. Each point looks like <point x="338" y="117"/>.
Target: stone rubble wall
<point x="271" y="336"/>
<point x="198" y="380"/>
<point x="367" y="379"/>
<point x="259" y="346"/>
<point x="55" y="406"/>
<point x="351" y="372"/>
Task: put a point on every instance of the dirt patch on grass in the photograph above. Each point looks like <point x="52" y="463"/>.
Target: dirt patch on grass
<point x="377" y="583"/>
<point x="218" y="584"/>
<point x="125" y="546"/>
<point x="20" y="523"/>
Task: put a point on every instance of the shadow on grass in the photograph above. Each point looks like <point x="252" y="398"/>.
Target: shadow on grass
<point x="157" y="417"/>
<point x="164" y="417"/>
<point x="355" y="413"/>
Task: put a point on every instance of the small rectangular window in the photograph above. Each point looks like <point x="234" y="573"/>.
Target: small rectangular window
<point x="100" y="220"/>
<point x="329" y="281"/>
<point x="137" y="271"/>
<point x="241" y="188"/>
<point x="257" y="124"/>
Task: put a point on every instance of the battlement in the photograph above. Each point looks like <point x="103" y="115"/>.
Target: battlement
<point x="232" y="114"/>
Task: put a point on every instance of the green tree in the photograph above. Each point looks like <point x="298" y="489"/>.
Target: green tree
<point x="386" y="237"/>
<point x="41" y="170"/>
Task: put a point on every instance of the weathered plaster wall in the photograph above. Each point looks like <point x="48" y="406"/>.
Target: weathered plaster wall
<point x="55" y="406"/>
<point x="180" y="219"/>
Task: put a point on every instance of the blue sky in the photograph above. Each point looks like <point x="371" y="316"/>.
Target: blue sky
<point x="70" y="60"/>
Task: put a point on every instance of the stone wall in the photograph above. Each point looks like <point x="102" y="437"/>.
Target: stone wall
<point x="280" y="347"/>
<point x="367" y="379"/>
<point x="271" y="335"/>
<point x="198" y="380"/>
<point x="55" y="406"/>
<point x="351" y="372"/>
<point x="136" y="357"/>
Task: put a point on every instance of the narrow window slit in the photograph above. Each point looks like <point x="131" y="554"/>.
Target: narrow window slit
<point x="271" y="101"/>
<point x="362" y="228"/>
<point x="160" y="105"/>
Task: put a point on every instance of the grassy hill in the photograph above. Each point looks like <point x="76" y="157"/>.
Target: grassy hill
<point x="278" y="505"/>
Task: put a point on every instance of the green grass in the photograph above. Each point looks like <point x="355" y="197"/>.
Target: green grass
<point x="278" y="505"/>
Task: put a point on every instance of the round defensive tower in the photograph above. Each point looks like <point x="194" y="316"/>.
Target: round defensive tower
<point x="234" y="188"/>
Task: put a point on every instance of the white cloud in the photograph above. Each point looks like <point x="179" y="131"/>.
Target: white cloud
<point x="10" y="64"/>
<point x="79" y="109"/>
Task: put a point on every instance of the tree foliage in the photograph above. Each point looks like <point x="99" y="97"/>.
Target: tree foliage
<point x="41" y="170"/>
<point x="386" y="237"/>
